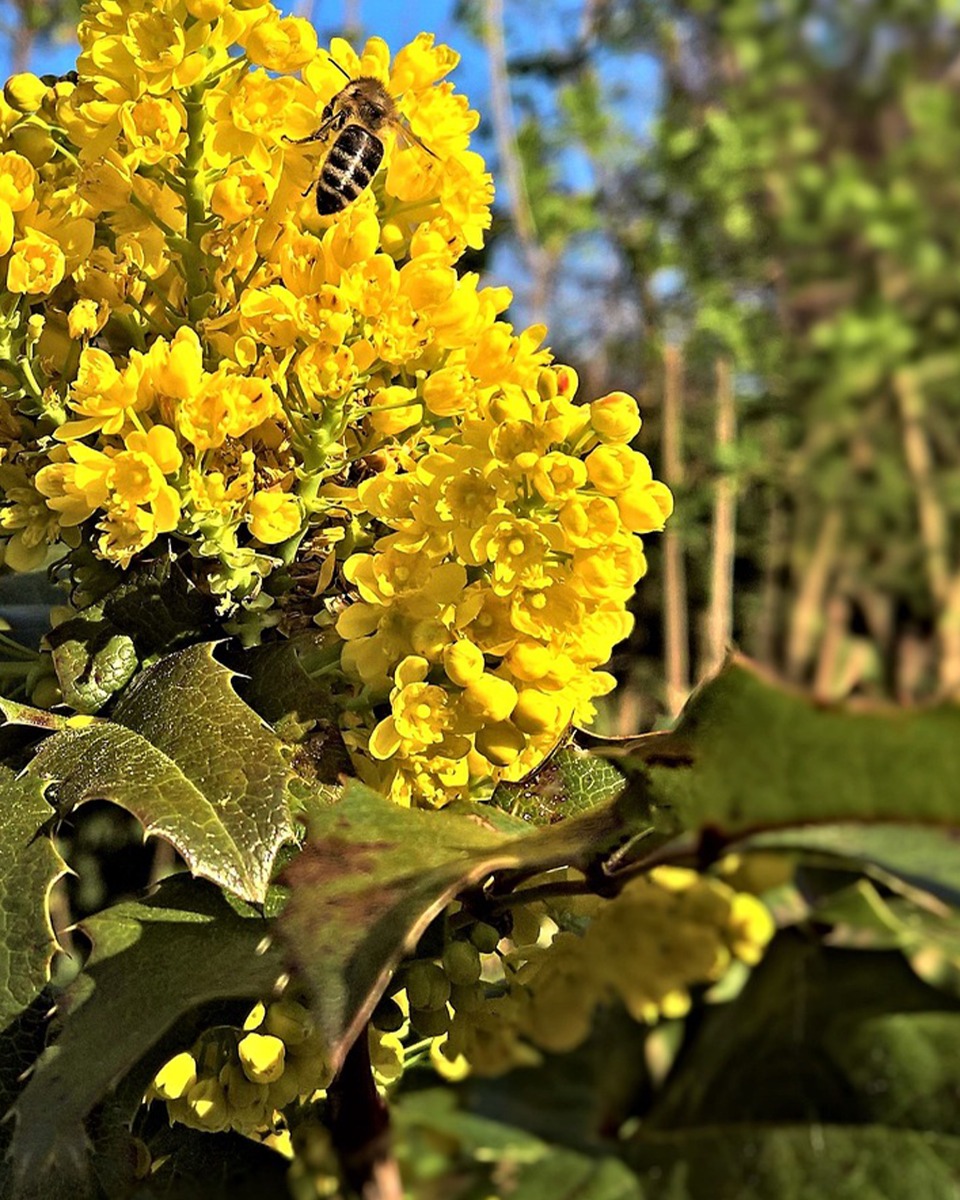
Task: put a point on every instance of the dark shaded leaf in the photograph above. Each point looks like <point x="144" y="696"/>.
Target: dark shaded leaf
<point x="748" y="754"/>
<point x="796" y="1162"/>
<point x="152" y="964"/>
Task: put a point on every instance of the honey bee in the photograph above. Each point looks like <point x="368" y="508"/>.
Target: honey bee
<point x="356" y="116"/>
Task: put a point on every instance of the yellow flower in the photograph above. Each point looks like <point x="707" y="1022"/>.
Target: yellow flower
<point x="281" y="43"/>
<point x="274" y="516"/>
<point x="36" y="266"/>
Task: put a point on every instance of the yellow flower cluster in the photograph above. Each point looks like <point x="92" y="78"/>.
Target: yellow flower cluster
<point x="503" y="580"/>
<point x="196" y="362"/>
<point x="242" y="1078"/>
<point x="663" y="934"/>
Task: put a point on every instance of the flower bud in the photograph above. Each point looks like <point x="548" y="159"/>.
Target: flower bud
<point x="289" y="1021"/>
<point x="427" y="986"/>
<point x="208" y="1105"/>
<point x="489" y="697"/>
<point x="262" y="1057"/>
<point x="34" y="143"/>
<point x="176" y="1077"/>
<point x="463" y="663"/>
<point x="501" y="743"/>
<point x="25" y="92"/>
<point x="536" y="712"/>
<point x="616" y="417"/>
<point x="461" y="962"/>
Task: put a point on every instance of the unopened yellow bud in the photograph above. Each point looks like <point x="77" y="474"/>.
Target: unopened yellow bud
<point x="25" y="92"/>
<point x="644" y="509"/>
<point x="489" y="697"/>
<point x="176" y="1077"/>
<point x="536" y="712"/>
<point x="208" y="1105"/>
<point x="290" y="1021"/>
<point x="262" y="1057"/>
<point x="463" y="663"/>
<point x="751" y="926"/>
<point x="501" y="743"/>
<point x="34" y="142"/>
<point x="615" y="417"/>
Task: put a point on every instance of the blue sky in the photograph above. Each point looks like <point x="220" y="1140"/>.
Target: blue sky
<point x="533" y="25"/>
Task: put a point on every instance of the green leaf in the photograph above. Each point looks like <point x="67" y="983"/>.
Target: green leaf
<point x="570" y="782"/>
<point x="747" y="753"/>
<point x="93" y="660"/>
<point x="29" y="867"/>
<point x="537" y="1170"/>
<point x="796" y="1162"/>
<point x="372" y="877"/>
<point x="798" y="1045"/>
<point x="192" y="763"/>
<point x="153" y="963"/>
<point x="926" y="858"/>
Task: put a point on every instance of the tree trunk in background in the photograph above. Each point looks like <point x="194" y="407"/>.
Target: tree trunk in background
<point x="934" y="530"/>
<point x="806" y="619"/>
<point x="719" y="622"/>
<point x="538" y="260"/>
<point x="676" y="634"/>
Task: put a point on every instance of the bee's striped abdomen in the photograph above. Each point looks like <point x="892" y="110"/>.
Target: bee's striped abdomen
<point x="350" y="165"/>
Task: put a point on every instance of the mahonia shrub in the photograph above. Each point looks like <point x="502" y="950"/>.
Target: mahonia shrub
<point x="321" y="419"/>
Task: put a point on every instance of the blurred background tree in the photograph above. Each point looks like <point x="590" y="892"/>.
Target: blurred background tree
<point x="773" y="257"/>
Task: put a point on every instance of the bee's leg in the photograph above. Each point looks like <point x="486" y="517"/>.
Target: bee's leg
<point x="327" y="123"/>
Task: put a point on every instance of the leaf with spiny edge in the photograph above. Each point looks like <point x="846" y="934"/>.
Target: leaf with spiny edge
<point x="29" y="868"/>
<point x="153" y="964"/>
<point x="192" y="762"/>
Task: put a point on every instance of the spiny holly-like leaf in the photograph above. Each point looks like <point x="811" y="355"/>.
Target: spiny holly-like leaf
<point x="570" y="782"/>
<point x="29" y="867"/>
<point x="152" y="964"/>
<point x="748" y="753"/>
<point x="372" y="876"/>
<point x="192" y="762"/>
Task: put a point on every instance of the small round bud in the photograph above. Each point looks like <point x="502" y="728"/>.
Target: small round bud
<point x="34" y="143"/>
<point x="25" y="92"/>
<point x="208" y="1105"/>
<point x="500" y="743"/>
<point x="536" y="712"/>
<point x="176" y="1077"/>
<point x="489" y="697"/>
<point x="427" y="986"/>
<point x="262" y="1057"/>
<point x="463" y="662"/>
<point x="388" y="1016"/>
<point x="615" y="417"/>
<point x="485" y="937"/>
<point x="461" y="962"/>
<point x="430" y="1022"/>
<point x="289" y="1021"/>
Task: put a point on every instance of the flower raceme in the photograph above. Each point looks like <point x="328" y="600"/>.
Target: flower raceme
<point x="197" y="363"/>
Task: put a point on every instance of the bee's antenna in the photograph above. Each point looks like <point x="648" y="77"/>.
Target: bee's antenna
<point x="342" y="70"/>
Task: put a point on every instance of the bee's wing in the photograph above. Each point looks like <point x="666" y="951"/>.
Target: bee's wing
<point x="406" y="135"/>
